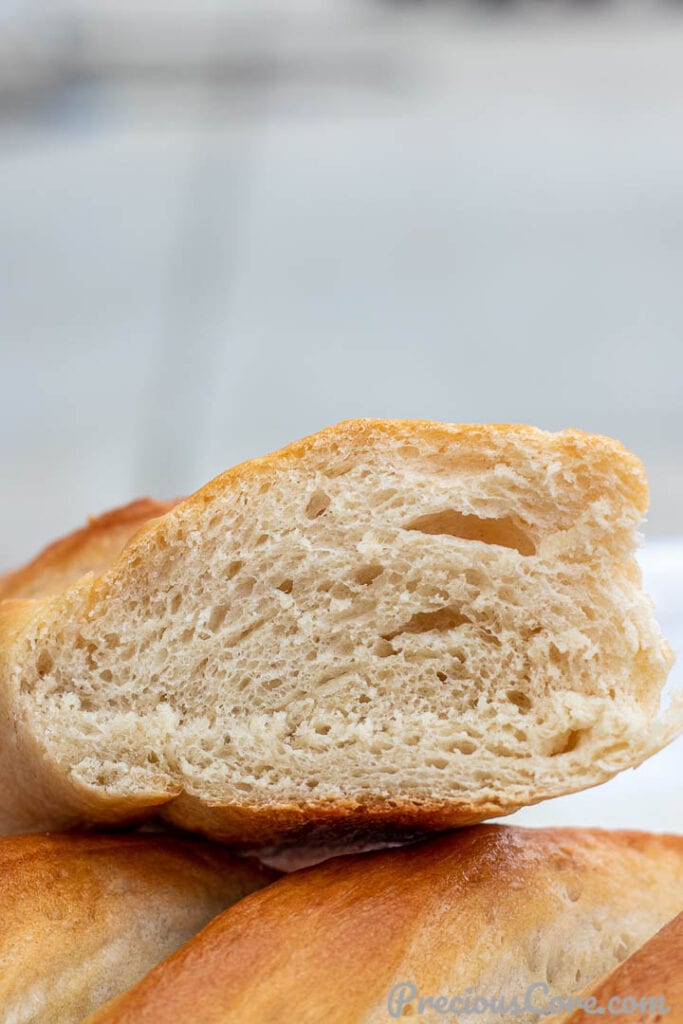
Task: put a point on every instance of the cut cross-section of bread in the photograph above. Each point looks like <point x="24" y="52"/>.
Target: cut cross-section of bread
<point x="387" y="627"/>
<point x="485" y="912"/>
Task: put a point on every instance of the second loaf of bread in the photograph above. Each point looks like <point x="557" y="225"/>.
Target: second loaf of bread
<point x="84" y="917"/>
<point x="489" y="910"/>
<point x="645" y="988"/>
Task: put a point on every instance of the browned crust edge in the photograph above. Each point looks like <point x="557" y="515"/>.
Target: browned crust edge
<point x="58" y="558"/>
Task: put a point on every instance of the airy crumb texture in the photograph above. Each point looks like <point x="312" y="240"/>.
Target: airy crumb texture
<point x="85" y="917"/>
<point x="391" y="625"/>
<point x="487" y="911"/>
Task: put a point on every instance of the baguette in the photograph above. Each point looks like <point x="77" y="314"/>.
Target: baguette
<point x="387" y="628"/>
<point x="653" y="973"/>
<point x="492" y="909"/>
<point x="92" y="548"/>
<point x="84" y="917"/>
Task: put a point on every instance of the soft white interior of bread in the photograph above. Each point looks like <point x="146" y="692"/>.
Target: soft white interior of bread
<point x="394" y="619"/>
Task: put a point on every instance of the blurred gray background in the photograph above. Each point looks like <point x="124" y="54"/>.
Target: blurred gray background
<point x="226" y="225"/>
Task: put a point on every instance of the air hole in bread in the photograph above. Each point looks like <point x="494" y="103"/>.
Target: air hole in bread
<point x="318" y="504"/>
<point x="44" y="664"/>
<point x="463" y="746"/>
<point x="555" y="655"/>
<point x="286" y="586"/>
<point x="383" y="497"/>
<point x="567" y="742"/>
<point x="383" y="648"/>
<point x="217" y="617"/>
<point x="441" y="619"/>
<point x="245" y="587"/>
<point x="519" y="699"/>
<point x="503" y="532"/>
<point x="367" y="573"/>
<point x="339" y="469"/>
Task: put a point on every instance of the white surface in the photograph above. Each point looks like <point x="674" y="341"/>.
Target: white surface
<point x="651" y="796"/>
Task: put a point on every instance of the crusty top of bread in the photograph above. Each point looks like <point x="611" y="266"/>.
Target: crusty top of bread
<point x="391" y="625"/>
<point x="492" y="908"/>
<point x="91" y="548"/>
<point x="94" y="547"/>
<point x="85" y="916"/>
<point x="652" y="977"/>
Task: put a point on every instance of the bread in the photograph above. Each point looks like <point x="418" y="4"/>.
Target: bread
<point x="492" y="909"/>
<point x="652" y="977"/>
<point x="84" y="917"/>
<point x="386" y="628"/>
<point x="90" y="549"/>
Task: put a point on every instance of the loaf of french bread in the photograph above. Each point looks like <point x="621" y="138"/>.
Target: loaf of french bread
<point x="387" y="628"/>
<point x="490" y="912"/>
<point x="84" y="917"/>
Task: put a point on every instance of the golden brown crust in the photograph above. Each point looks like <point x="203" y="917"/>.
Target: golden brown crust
<point x="478" y="907"/>
<point x="324" y="824"/>
<point x="91" y="548"/>
<point x="306" y="832"/>
<point x="255" y="825"/>
<point x="654" y="971"/>
<point x="105" y="539"/>
<point x="83" y="916"/>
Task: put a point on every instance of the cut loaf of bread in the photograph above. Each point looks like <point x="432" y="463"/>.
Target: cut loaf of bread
<point x="485" y="912"/>
<point x="385" y="628"/>
<point x="85" y="917"/>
